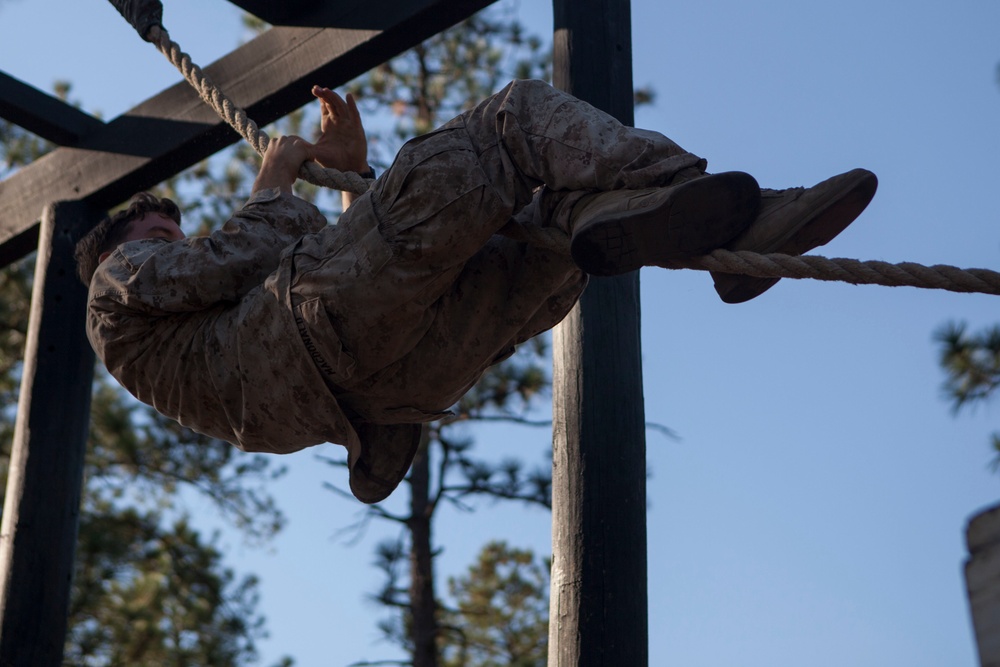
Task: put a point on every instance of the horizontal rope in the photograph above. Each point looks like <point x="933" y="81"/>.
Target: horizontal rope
<point x="856" y="272"/>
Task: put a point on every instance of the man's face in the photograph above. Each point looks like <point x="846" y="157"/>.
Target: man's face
<point x="153" y="226"/>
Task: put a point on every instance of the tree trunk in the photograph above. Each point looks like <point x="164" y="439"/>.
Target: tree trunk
<point x="423" y="608"/>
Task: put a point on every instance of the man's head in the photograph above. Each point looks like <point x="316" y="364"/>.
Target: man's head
<point x="146" y="217"/>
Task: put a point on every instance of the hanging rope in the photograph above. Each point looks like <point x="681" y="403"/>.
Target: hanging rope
<point x="145" y="18"/>
<point x="238" y="119"/>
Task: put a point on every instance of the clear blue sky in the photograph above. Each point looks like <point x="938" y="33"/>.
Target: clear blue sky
<point x="812" y="512"/>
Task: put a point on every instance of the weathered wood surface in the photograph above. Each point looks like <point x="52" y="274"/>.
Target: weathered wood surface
<point x="598" y="613"/>
<point x="42" y="498"/>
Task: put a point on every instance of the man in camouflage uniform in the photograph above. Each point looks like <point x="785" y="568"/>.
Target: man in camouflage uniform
<point x="279" y="331"/>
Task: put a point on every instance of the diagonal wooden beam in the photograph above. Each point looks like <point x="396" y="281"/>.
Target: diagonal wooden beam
<point x="270" y="77"/>
<point x="42" y="114"/>
<point x="341" y="14"/>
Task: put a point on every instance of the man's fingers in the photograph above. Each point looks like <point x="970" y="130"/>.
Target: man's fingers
<point x="290" y="147"/>
<point x="321" y="92"/>
<point x="335" y="106"/>
<point x="331" y="100"/>
<point x="352" y="107"/>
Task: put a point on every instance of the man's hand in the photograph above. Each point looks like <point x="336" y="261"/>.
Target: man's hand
<point x="282" y="160"/>
<point x="342" y="144"/>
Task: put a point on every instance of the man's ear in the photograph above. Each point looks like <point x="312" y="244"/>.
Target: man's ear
<point x="104" y="256"/>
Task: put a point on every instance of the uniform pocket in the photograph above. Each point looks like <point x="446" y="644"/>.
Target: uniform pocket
<point x="132" y="254"/>
<point x="361" y="225"/>
<point x="322" y="343"/>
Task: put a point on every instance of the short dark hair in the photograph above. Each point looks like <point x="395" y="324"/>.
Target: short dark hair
<point x="110" y="232"/>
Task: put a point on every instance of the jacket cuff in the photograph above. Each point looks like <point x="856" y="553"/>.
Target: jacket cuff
<point x="263" y="196"/>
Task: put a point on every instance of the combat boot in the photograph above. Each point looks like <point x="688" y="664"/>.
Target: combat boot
<point x="793" y="222"/>
<point x="622" y="230"/>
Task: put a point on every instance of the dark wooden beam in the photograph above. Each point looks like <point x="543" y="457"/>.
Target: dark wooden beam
<point x="277" y="13"/>
<point x="270" y="77"/>
<point x="347" y="14"/>
<point x="42" y="501"/>
<point x="42" y="114"/>
<point x="598" y="614"/>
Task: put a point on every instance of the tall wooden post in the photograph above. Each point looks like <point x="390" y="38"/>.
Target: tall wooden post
<point x="598" y="610"/>
<point x="42" y="502"/>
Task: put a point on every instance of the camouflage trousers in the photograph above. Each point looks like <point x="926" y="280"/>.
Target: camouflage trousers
<point x="413" y="295"/>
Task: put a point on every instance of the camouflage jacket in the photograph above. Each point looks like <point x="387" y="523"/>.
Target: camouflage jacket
<point x="202" y="330"/>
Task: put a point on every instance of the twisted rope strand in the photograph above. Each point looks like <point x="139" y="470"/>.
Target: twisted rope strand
<point x="852" y="271"/>
<point x="237" y="118"/>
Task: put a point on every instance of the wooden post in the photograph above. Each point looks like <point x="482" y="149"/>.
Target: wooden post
<point x="598" y="613"/>
<point x="982" y="578"/>
<point x="42" y="502"/>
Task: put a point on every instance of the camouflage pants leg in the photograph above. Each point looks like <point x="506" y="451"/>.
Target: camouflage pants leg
<point x="530" y="134"/>
<point x="412" y="292"/>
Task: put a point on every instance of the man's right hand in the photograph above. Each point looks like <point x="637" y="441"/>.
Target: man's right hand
<point x="282" y="160"/>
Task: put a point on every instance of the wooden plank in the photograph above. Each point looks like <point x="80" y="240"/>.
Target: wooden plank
<point x="598" y="613"/>
<point x="270" y="77"/>
<point x="42" y="501"/>
<point x="47" y="116"/>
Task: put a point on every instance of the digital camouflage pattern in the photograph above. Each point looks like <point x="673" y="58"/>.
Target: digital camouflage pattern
<point x="279" y="331"/>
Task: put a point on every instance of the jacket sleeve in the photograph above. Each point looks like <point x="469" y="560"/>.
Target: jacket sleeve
<point x="155" y="276"/>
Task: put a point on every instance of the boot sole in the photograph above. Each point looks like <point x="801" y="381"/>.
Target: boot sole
<point x="693" y="218"/>
<point x="825" y="224"/>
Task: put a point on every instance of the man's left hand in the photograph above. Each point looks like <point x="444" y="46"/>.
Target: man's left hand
<point x="342" y="144"/>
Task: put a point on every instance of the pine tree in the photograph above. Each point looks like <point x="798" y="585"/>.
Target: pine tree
<point x="501" y="615"/>
<point x="971" y="362"/>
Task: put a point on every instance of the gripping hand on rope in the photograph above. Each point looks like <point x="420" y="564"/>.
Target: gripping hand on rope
<point x="282" y="159"/>
<point x="341" y="145"/>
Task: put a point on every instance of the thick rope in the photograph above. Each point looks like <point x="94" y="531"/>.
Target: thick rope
<point x="239" y="121"/>
<point x="741" y="262"/>
<point x="852" y="271"/>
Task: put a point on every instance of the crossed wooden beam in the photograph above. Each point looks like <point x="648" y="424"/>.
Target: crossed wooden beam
<point x="103" y="164"/>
